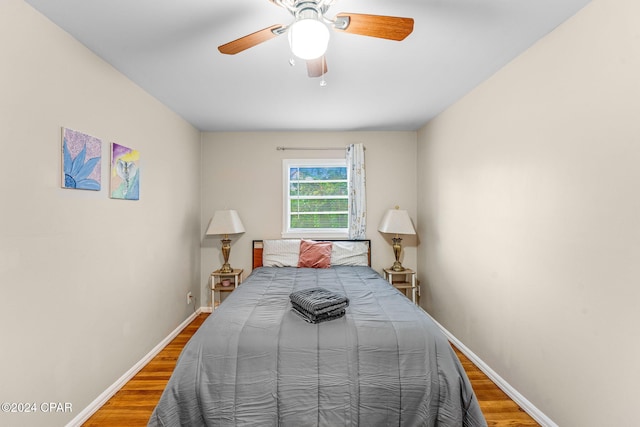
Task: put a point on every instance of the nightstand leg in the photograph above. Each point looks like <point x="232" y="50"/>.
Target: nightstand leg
<point x="414" y="289"/>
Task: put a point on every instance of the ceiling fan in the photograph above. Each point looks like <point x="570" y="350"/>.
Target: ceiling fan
<point x="309" y="33"/>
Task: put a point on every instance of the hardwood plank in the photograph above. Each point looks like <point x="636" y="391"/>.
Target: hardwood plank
<point x="132" y="405"/>
<point x="498" y="409"/>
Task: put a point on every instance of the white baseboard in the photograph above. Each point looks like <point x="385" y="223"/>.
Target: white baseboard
<point x="93" y="407"/>
<point x="527" y="406"/>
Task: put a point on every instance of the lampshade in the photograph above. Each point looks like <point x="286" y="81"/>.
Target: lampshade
<point x="224" y="223"/>
<point x="308" y="38"/>
<point x="396" y="221"/>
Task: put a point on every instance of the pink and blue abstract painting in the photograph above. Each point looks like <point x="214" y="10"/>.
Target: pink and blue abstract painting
<point x="125" y="172"/>
<point x="81" y="155"/>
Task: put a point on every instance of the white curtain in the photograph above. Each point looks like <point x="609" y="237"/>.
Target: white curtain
<point x="357" y="198"/>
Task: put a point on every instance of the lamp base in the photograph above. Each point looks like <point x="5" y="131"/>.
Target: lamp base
<point x="397" y="250"/>
<point x="226" y="250"/>
<point x="397" y="266"/>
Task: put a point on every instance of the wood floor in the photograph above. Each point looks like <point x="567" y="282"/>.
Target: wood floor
<point x="498" y="409"/>
<point x="132" y="405"/>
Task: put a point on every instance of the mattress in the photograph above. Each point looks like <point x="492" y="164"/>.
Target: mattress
<point x="254" y="362"/>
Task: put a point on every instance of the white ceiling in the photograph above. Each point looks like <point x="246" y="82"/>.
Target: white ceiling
<point x="169" y="48"/>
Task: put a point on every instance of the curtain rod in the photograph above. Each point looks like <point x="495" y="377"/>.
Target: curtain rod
<point x="312" y="148"/>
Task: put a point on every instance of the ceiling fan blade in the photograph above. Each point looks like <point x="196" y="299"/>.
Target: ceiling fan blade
<point x="384" y="27"/>
<point x="317" y="67"/>
<point x="251" y="40"/>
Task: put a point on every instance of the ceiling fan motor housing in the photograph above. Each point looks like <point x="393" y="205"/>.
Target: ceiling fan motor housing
<point x="293" y="6"/>
<point x="306" y="9"/>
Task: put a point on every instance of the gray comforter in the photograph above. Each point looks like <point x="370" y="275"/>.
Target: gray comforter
<point x="256" y="363"/>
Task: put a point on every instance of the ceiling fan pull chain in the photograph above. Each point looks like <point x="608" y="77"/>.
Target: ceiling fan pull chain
<point x="323" y="82"/>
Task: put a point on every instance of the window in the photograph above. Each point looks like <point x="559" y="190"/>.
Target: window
<point x="316" y="198"/>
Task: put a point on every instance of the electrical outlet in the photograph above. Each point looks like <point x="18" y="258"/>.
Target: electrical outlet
<point x="189" y="298"/>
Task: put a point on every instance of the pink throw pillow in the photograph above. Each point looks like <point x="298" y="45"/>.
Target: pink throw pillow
<point x="314" y="254"/>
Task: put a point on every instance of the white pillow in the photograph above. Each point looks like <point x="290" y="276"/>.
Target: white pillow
<point x="280" y="252"/>
<point x="350" y="253"/>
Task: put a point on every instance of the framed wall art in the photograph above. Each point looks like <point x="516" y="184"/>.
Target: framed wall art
<point x="81" y="158"/>
<point x="125" y="172"/>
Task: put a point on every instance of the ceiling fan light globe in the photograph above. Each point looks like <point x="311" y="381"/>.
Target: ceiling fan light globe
<point x="308" y="38"/>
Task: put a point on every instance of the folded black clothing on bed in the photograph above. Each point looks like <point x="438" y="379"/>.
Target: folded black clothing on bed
<point x="318" y="300"/>
<point x="328" y="310"/>
<point x="331" y="315"/>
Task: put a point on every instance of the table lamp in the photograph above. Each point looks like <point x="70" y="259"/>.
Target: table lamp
<point x="224" y="223"/>
<point x="396" y="221"/>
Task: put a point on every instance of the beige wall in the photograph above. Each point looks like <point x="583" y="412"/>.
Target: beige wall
<point x="243" y="171"/>
<point x="529" y="216"/>
<point x="88" y="285"/>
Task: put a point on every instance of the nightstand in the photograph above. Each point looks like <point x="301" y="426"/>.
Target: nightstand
<point x="404" y="280"/>
<point x="235" y="279"/>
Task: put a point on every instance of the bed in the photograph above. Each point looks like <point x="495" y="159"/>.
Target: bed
<point x="254" y="362"/>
